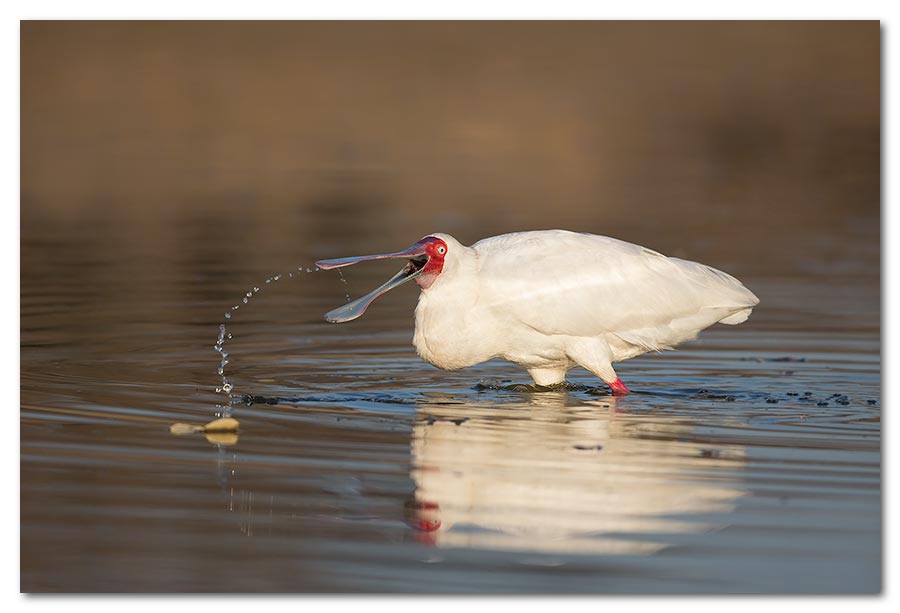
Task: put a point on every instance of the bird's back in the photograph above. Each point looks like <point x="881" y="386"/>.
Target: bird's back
<point x="560" y="282"/>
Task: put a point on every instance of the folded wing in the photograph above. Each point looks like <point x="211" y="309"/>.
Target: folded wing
<point x="560" y="282"/>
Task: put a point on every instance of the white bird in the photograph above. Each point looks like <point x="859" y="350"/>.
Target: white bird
<point x="552" y="300"/>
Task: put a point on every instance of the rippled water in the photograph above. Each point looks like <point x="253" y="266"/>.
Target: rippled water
<point x="747" y="462"/>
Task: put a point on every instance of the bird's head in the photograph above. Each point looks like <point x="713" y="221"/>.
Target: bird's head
<point x="426" y="261"/>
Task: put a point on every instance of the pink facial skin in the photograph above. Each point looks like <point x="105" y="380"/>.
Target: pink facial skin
<point x="435" y="249"/>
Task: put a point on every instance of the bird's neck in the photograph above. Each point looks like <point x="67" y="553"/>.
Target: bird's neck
<point x="444" y="317"/>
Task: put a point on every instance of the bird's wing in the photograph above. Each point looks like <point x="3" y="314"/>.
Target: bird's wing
<point x="560" y="282"/>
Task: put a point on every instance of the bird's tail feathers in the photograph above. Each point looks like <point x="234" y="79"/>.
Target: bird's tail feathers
<point x="737" y="318"/>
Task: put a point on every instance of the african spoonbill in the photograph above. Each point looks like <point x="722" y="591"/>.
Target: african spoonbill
<point x="552" y="300"/>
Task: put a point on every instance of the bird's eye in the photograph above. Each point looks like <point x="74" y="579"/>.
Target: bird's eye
<point x="442" y="250"/>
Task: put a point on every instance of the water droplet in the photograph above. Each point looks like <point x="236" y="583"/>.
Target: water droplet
<point x="229" y="335"/>
<point x="268" y="280"/>
<point x="218" y="390"/>
<point x="245" y="301"/>
<point x="346" y="285"/>
<point x="228" y="316"/>
<point x="227" y="388"/>
<point x="255" y="289"/>
<point x="249" y="294"/>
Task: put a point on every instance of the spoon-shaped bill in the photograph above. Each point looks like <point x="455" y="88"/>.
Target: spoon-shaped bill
<point x="352" y="310"/>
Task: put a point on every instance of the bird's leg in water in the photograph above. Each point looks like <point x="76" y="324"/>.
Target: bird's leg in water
<point x="547" y="377"/>
<point x="618" y="388"/>
<point x="594" y="355"/>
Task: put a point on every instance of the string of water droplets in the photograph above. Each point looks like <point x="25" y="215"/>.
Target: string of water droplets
<point x="226" y="387"/>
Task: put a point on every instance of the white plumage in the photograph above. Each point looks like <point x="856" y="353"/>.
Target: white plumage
<point x="551" y="300"/>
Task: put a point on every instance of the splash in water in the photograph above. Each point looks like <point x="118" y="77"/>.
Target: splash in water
<point x="225" y="386"/>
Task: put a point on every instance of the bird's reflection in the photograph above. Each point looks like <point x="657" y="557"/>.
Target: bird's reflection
<point x="557" y="474"/>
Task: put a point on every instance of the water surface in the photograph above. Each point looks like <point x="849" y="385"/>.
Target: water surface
<point x="747" y="462"/>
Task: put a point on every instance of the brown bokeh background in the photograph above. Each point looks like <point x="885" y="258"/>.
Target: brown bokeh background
<point x="705" y="139"/>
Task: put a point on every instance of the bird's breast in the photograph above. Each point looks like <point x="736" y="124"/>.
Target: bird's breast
<point x="449" y="333"/>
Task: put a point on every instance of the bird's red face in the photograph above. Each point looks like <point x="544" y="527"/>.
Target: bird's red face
<point x="426" y="262"/>
<point x="432" y="262"/>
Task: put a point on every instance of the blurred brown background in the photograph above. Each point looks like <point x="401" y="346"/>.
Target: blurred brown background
<point x="305" y="139"/>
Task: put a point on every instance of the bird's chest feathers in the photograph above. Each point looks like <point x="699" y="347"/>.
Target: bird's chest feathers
<point x="447" y="334"/>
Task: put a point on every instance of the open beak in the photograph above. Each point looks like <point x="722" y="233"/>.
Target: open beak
<point x="352" y="310"/>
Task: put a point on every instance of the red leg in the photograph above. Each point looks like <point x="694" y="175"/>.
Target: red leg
<point x="618" y="388"/>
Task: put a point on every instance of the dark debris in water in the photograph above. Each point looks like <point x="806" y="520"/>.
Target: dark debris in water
<point x="705" y="393"/>
<point x="507" y="385"/>
<point x="837" y="398"/>
<point x="588" y="447"/>
<point x="781" y="359"/>
<point x="804" y="397"/>
<point x="489" y="383"/>
<point x="458" y="421"/>
<point x="250" y="400"/>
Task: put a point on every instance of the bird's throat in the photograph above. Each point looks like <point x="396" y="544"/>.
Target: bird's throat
<point x="425" y="281"/>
